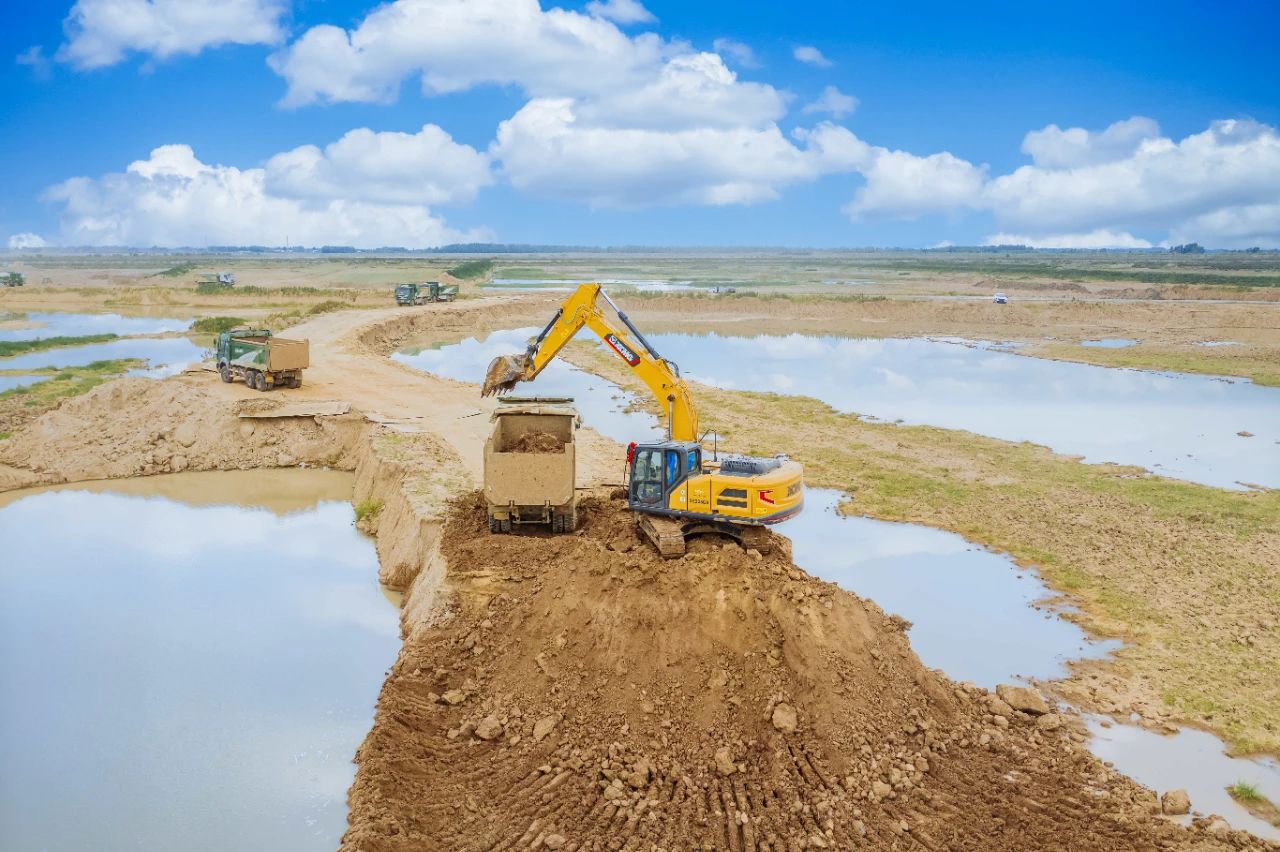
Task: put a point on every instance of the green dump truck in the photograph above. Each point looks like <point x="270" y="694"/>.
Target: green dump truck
<point x="428" y="291"/>
<point x="13" y="279"/>
<point x="261" y="360"/>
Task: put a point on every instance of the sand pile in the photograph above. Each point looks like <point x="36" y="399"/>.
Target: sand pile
<point x="536" y="441"/>
<point x="584" y="694"/>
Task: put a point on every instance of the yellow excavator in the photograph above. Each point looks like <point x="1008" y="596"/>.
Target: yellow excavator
<point x="675" y="490"/>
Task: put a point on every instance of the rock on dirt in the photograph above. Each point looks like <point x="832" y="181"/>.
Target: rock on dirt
<point x="543" y="728"/>
<point x="1175" y="803"/>
<point x="784" y="718"/>
<point x="489" y="728"/>
<point x="1024" y="698"/>
<point x="724" y="761"/>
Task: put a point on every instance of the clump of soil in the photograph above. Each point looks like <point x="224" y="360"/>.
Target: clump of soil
<point x="582" y="693"/>
<point x="536" y="441"/>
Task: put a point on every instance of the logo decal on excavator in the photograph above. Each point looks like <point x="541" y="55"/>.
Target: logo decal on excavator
<point x="624" y="351"/>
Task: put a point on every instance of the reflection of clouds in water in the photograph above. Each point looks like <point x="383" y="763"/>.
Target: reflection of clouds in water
<point x="78" y="325"/>
<point x="177" y="352"/>
<point x="1184" y="423"/>
<point x="112" y="521"/>
<point x="348" y="605"/>
<point x="202" y="671"/>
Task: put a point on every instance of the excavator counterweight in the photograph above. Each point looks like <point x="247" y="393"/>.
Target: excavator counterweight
<point x="673" y="487"/>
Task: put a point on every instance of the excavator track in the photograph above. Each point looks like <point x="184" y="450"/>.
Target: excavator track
<point x="665" y="534"/>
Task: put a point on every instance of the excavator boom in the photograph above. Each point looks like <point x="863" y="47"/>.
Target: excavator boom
<point x="582" y="308"/>
<point x="674" y="489"/>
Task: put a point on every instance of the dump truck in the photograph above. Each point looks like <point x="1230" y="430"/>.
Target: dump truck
<point x="530" y="464"/>
<point x="428" y="291"/>
<point x="260" y="359"/>
<point x="13" y="279"/>
<point x="221" y="279"/>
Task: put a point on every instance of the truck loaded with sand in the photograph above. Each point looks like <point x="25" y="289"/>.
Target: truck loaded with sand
<point x="530" y="464"/>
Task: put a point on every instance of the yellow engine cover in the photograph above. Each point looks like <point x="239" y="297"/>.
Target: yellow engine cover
<point x="764" y="498"/>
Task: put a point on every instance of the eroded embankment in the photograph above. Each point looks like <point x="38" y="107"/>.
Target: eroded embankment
<point x="139" y="427"/>
<point x="579" y="692"/>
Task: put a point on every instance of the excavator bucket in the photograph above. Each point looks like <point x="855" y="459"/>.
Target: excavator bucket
<point x="503" y="374"/>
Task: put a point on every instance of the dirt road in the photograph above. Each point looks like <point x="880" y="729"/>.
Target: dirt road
<point x="343" y="367"/>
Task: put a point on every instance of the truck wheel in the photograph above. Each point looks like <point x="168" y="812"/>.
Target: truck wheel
<point x="296" y="383"/>
<point x="260" y="381"/>
<point x="494" y="526"/>
<point x="248" y="377"/>
<point x="557" y="523"/>
<point x="225" y="373"/>
<point x="504" y="526"/>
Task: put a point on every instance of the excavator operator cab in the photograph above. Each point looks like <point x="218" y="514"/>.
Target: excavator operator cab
<point x="655" y="470"/>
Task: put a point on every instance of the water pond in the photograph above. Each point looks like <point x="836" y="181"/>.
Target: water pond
<point x="1179" y="425"/>
<point x="190" y="662"/>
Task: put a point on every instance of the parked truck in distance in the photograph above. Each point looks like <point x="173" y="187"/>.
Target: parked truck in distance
<point x="530" y="464"/>
<point x="428" y="291"/>
<point x="13" y="279"/>
<point x="261" y="360"/>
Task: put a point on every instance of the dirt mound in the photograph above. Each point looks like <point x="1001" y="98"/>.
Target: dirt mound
<point x="536" y="441"/>
<point x="137" y="427"/>
<point x="585" y="694"/>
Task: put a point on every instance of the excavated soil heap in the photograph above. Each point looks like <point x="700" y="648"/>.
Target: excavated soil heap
<point x="581" y="693"/>
<point x="536" y="442"/>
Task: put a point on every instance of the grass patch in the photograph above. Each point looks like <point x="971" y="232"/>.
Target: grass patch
<point x="1261" y="370"/>
<point x="65" y="382"/>
<point x="19" y="347"/>
<point x="215" y="325"/>
<point x="9" y="316"/>
<point x="367" y="508"/>
<point x="176" y="271"/>
<point x="471" y="269"/>
<point x="4" y="436"/>
<point x="1244" y="791"/>
<point x="326" y="307"/>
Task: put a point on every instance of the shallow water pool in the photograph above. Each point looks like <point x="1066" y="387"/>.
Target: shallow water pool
<point x="42" y="325"/>
<point x="1179" y="425"/>
<point x="181" y="672"/>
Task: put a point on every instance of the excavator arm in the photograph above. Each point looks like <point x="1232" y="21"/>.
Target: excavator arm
<point x="582" y="308"/>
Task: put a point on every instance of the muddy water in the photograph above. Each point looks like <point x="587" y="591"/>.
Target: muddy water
<point x="180" y="672"/>
<point x="974" y="613"/>
<point x="164" y="356"/>
<point x="603" y="405"/>
<point x="41" y="325"/>
<point x="1184" y="426"/>
<point x="1193" y="760"/>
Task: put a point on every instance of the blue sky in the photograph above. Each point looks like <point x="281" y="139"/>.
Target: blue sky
<point x="663" y="124"/>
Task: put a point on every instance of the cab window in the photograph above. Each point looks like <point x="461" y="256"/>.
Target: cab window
<point x="695" y="461"/>
<point x="646" y="477"/>
<point x="673" y="468"/>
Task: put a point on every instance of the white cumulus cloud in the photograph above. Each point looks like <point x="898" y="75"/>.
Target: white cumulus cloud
<point x="174" y="199"/>
<point x="103" y="32"/>
<point x="740" y="53"/>
<point x="1097" y="239"/>
<point x="426" y="167"/>
<point x="622" y="11"/>
<point x="833" y="102"/>
<point x="544" y="150"/>
<point x="903" y="185"/>
<point x="453" y="45"/>
<point x="810" y="55"/>
<point x="26" y="240"/>
<point x="1055" y="148"/>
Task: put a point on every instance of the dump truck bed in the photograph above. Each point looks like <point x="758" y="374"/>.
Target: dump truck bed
<point x="270" y="353"/>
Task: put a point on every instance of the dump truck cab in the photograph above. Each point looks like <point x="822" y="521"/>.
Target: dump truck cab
<point x="408" y="294"/>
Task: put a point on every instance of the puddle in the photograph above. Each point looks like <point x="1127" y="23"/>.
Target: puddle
<point x="165" y="356"/>
<point x="1178" y="425"/>
<point x="603" y="405"/>
<point x="1219" y="343"/>
<point x="11" y="382"/>
<point x="181" y="674"/>
<point x="861" y="282"/>
<point x="1191" y="760"/>
<point x="970" y="608"/>
<point x="1110" y="343"/>
<point x="77" y="325"/>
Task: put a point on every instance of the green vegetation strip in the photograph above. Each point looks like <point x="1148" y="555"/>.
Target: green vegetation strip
<point x="214" y="325"/>
<point x="471" y="269"/>
<point x="69" y="381"/>
<point x="1263" y="370"/>
<point x="18" y="347"/>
